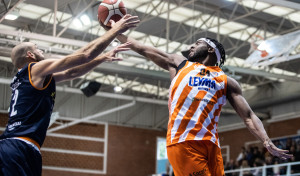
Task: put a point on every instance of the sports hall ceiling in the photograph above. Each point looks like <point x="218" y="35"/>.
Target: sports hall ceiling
<point x="170" y="25"/>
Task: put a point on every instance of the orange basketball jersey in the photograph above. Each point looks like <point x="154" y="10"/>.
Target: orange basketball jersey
<point x="197" y="94"/>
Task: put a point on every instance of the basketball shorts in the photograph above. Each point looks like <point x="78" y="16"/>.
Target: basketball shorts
<point x="196" y="158"/>
<point x="17" y="158"/>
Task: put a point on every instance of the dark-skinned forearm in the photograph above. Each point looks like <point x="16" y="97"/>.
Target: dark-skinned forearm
<point x="135" y="46"/>
<point x="160" y="58"/>
<point x="256" y="127"/>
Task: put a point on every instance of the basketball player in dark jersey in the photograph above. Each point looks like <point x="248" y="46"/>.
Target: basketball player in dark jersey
<point x="33" y="94"/>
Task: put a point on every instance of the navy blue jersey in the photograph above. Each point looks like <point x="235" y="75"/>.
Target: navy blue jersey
<point x="30" y="107"/>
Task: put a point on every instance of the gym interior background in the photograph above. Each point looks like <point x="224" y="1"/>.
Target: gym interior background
<point x="119" y="130"/>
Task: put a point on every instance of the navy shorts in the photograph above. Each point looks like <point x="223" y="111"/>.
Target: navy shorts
<point x="17" y="158"/>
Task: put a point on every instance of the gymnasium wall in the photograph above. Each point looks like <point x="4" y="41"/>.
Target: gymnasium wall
<point x="130" y="151"/>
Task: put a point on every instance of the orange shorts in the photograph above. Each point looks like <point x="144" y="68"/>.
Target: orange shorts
<point x="196" y="158"/>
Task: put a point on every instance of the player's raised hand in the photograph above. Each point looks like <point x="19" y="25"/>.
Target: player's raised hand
<point x="111" y="55"/>
<point x="282" y="154"/>
<point x="104" y="26"/>
<point x="126" y="22"/>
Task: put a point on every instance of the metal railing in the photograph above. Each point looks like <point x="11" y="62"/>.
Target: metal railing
<point x="263" y="169"/>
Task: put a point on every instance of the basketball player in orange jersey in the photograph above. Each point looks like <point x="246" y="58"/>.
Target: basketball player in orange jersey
<point x="33" y="95"/>
<point x="198" y="90"/>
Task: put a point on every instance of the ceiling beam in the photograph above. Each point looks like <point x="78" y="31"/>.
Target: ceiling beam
<point x="261" y="73"/>
<point x="80" y="13"/>
<point x="283" y="3"/>
<point x="11" y="9"/>
<point x="164" y="76"/>
<point x="132" y="70"/>
<point x="51" y="39"/>
<point x="125" y="70"/>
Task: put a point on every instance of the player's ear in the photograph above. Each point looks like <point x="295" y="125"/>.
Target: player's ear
<point x="30" y="54"/>
<point x="211" y="49"/>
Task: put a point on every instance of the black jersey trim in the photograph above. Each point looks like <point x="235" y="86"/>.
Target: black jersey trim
<point x="181" y="65"/>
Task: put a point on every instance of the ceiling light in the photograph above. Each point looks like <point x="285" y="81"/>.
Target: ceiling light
<point x="263" y="46"/>
<point x="118" y="89"/>
<point x="77" y="23"/>
<point x="114" y="43"/>
<point x="14" y="14"/>
<point x="85" y="20"/>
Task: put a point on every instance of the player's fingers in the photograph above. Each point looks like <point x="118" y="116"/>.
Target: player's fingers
<point x="117" y="59"/>
<point x="104" y="26"/>
<point x="131" y="25"/>
<point x="112" y="22"/>
<point x="127" y="16"/>
<point x="121" y="49"/>
<point x="125" y="45"/>
<point x="283" y="158"/>
<point x="281" y="151"/>
<point x="286" y="155"/>
<point x="133" y="20"/>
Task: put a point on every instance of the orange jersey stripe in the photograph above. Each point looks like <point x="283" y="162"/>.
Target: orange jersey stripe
<point x="187" y="116"/>
<point x="180" y="77"/>
<point x="178" y="107"/>
<point x="199" y="128"/>
<point x="208" y="135"/>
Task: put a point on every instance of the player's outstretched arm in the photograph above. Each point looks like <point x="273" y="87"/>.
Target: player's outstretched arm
<point x="162" y="59"/>
<point x="46" y="67"/>
<point x="253" y="123"/>
<point x="85" y="68"/>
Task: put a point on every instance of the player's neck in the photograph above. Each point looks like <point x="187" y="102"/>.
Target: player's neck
<point x="206" y="61"/>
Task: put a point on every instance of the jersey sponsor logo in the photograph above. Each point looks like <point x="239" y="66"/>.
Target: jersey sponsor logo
<point x="205" y="100"/>
<point x="12" y="126"/>
<point x="15" y="83"/>
<point x="202" y="83"/>
<point x="53" y="95"/>
<point x="198" y="173"/>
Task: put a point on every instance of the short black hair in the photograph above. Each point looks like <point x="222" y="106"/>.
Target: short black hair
<point x="221" y="50"/>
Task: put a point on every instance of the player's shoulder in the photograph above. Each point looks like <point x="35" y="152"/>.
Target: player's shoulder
<point x="233" y="85"/>
<point x="177" y="59"/>
<point x="23" y="70"/>
<point x="45" y="61"/>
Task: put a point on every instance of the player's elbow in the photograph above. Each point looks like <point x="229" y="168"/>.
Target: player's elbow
<point x="247" y="118"/>
<point x="71" y="74"/>
<point x="86" y="57"/>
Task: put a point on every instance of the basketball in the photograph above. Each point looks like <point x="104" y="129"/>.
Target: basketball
<point x="111" y="9"/>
